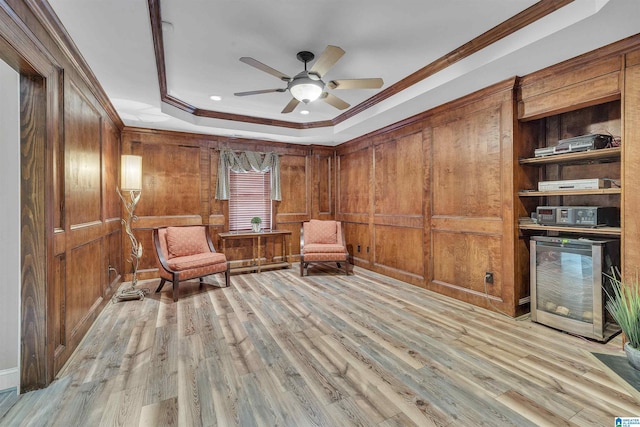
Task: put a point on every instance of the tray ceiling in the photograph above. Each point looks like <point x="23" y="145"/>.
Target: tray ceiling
<point x="427" y="51"/>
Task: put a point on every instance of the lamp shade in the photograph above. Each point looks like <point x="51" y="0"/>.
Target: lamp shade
<point x="130" y="172"/>
<point x="306" y="90"/>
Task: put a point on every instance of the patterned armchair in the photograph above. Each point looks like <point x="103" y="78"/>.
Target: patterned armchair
<point x="321" y="242"/>
<point x="184" y="253"/>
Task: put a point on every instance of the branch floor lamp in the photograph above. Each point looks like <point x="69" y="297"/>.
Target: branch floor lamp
<point x="131" y="181"/>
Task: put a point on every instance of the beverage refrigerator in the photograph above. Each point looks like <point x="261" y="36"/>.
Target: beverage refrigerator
<point x="568" y="284"/>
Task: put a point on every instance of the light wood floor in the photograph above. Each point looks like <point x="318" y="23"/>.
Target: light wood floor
<point x="275" y="349"/>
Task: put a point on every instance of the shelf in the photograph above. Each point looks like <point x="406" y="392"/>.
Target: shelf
<point x="599" y="191"/>
<point x="583" y="156"/>
<point x="604" y="231"/>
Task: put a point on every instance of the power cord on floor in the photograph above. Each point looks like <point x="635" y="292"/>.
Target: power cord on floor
<point x="490" y="301"/>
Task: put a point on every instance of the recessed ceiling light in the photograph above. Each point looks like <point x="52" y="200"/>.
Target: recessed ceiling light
<point x="215" y="98"/>
<point x="304" y="112"/>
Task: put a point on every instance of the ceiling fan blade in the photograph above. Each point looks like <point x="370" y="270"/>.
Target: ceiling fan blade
<point x="290" y="106"/>
<point x="257" y="92"/>
<point x="262" y="67"/>
<point x="327" y="59"/>
<point x="334" y="101"/>
<point x="356" y="84"/>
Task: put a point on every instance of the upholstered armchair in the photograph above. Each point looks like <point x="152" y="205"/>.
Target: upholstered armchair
<point x="184" y="253"/>
<point x="321" y="242"/>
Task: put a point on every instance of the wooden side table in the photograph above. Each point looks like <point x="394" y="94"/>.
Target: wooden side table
<point x="256" y="243"/>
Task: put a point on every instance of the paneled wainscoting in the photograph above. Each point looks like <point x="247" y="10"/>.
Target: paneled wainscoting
<point x="275" y="349"/>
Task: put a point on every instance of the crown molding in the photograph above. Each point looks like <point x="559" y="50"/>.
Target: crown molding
<point x="511" y="25"/>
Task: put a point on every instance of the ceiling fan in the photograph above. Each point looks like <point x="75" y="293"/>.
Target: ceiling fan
<point x="307" y="86"/>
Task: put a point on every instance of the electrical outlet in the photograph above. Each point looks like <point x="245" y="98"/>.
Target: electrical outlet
<point x="359" y="248"/>
<point x="488" y="277"/>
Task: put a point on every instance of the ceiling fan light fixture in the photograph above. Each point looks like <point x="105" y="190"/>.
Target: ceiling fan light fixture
<point x="307" y="86"/>
<point x="306" y="90"/>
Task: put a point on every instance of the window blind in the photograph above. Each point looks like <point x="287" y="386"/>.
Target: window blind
<point x="249" y="196"/>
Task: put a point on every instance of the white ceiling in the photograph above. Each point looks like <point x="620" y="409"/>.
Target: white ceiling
<point x="204" y="40"/>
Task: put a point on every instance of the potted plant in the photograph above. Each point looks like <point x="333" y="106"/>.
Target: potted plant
<point x="624" y="307"/>
<point x="255" y="224"/>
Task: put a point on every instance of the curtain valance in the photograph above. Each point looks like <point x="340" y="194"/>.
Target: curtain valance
<point x="244" y="162"/>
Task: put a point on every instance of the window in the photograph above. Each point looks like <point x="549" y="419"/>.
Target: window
<point x="250" y="195"/>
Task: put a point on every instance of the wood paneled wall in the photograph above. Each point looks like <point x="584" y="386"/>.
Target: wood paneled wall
<point x="472" y="216"/>
<point x="380" y="201"/>
<point x="438" y="195"/>
<point x="179" y="181"/>
<point x="70" y="149"/>
<point x="631" y="159"/>
<point x="459" y="164"/>
<point x="87" y="256"/>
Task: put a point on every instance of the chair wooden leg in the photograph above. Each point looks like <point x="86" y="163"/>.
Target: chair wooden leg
<point x="175" y="288"/>
<point x="301" y="266"/>
<point x="227" y="278"/>
<point x="162" y="281"/>
<point x="201" y="282"/>
<point x="346" y="268"/>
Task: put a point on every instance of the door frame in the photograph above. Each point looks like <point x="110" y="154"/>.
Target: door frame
<point x="39" y="133"/>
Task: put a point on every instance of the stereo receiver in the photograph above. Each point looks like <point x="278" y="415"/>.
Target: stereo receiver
<point x="579" y="216"/>
<point x="576" y="144"/>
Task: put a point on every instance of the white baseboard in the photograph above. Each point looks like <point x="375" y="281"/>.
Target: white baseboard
<point x="9" y="378"/>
